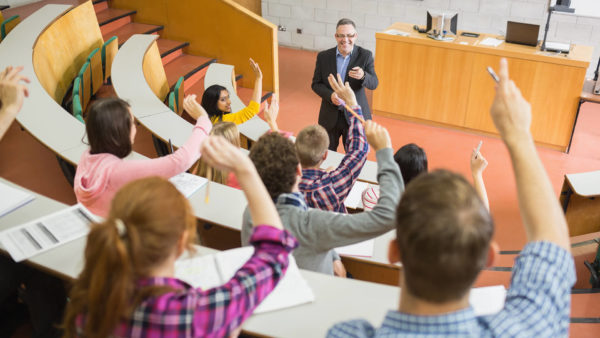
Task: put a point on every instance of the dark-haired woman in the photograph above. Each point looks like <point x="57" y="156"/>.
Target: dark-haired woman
<point x="102" y="170"/>
<point x="217" y="103"/>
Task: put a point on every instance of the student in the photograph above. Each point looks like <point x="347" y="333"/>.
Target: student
<point x="216" y="102"/>
<point x="444" y="239"/>
<point x="328" y="189"/>
<point x="127" y="287"/>
<point x="412" y="161"/>
<point x="102" y="169"/>
<point x="12" y="93"/>
<point x="231" y="133"/>
<point x="318" y="231"/>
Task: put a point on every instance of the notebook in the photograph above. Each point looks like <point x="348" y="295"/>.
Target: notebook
<point x="188" y="184"/>
<point x="211" y="271"/>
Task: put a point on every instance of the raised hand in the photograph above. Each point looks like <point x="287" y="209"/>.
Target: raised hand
<point x="377" y="136"/>
<point x="271" y="113"/>
<point x="192" y="107"/>
<point x="12" y="89"/>
<point x="478" y="162"/>
<point x="510" y="111"/>
<point x="343" y="91"/>
<point x="255" y="69"/>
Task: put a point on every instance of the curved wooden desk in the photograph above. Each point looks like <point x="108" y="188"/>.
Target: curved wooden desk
<point x="131" y="85"/>
<point x="41" y="116"/>
<point x="446" y="83"/>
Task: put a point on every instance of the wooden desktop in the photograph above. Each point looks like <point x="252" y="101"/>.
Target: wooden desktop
<point x="446" y="82"/>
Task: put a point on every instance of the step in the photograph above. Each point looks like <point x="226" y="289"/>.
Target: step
<point x="126" y="31"/>
<point x="170" y="49"/>
<point x="100" y="5"/>
<point x="188" y="66"/>
<point x="113" y="19"/>
<point x="109" y="15"/>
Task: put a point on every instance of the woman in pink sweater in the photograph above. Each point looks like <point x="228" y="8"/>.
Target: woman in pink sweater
<point x="102" y="170"/>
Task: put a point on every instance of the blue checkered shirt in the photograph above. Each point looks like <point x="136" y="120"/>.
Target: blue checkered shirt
<point x="328" y="190"/>
<point x="537" y="305"/>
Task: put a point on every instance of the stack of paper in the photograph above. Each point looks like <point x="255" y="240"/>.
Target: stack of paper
<point x="354" y="198"/>
<point x="491" y="42"/>
<point x="12" y="198"/>
<point x="396" y="32"/>
<point x="211" y="271"/>
<point x="188" y="184"/>
<point x="362" y="249"/>
<point x="45" y="233"/>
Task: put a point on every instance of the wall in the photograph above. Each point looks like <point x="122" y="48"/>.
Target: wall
<point x="317" y="19"/>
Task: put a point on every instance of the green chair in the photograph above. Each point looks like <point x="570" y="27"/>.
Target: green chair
<point x="96" y="72"/>
<point x="7" y="25"/>
<point x="109" y="50"/>
<point x="172" y="104"/>
<point x="85" y="76"/>
<point x="77" y="110"/>
<point x="178" y="90"/>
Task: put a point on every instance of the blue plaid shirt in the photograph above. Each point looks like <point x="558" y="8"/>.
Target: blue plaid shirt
<point x="537" y="304"/>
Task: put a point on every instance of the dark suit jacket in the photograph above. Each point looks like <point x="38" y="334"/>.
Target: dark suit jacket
<point x="326" y="64"/>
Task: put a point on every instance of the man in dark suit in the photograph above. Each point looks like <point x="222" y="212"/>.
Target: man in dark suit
<point x="355" y="65"/>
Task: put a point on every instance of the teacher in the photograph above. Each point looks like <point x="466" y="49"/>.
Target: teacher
<point x="355" y="65"/>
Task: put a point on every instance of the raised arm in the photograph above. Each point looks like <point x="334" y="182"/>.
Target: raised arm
<point x="12" y="93"/>
<point x="257" y="93"/>
<point x="478" y="165"/>
<point x="220" y="154"/>
<point x="542" y="216"/>
<point x="271" y="113"/>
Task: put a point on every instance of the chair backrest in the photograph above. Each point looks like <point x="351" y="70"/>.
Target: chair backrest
<point x="179" y="92"/>
<point x="85" y="75"/>
<point x="7" y="25"/>
<point x="109" y="50"/>
<point x="97" y="75"/>
<point x="77" y="109"/>
<point x="172" y="104"/>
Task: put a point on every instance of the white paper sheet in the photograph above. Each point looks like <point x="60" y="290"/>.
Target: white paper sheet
<point x="291" y="290"/>
<point x="487" y="300"/>
<point x="12" y="198"/>
<point x="396" y="32"/>
<point x="354" y="198"/>
<point x="27" y="240"/>
<point x="491" y="42"/>
<point x="188" y="184"/>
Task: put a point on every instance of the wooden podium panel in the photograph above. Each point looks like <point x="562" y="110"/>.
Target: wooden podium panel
<point x="446" y="82"/>
<point x="580" y="199"/>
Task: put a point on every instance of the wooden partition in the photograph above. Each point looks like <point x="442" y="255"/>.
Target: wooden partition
<point x="221" y="29"/>
<point x="154" y="72"/>
<point x="63" y="48"/>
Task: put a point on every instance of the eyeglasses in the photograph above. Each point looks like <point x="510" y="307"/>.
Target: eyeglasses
<point x="341" y="36"/>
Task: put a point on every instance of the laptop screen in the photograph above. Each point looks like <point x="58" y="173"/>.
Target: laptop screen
<point x="522" y="33"/>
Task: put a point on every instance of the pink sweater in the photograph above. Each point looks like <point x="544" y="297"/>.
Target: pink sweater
<point x="100" y="176"/>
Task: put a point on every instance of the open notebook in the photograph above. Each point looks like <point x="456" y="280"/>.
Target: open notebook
<point x="210" y="271"/>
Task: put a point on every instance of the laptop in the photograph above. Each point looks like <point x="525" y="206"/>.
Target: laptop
<point x="522" y="33"/>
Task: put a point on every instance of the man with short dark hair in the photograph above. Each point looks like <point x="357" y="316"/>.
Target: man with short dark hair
<point x="444" y="239"/>
<point x="356" y="66"/>
<point x="318" y="231"/>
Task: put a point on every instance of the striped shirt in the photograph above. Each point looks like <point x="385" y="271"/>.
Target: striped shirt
<point x="537" y="305"/>
<point x="189" y="312"/>
<point x="328" y="190"/>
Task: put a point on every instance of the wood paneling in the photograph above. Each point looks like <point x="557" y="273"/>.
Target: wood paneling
<point x="447" y="83"/>
<point x="155" y="72"/>
<point x="253" y="5"/>
<point x="63" y="48"/>
<point x="220" y="29"/>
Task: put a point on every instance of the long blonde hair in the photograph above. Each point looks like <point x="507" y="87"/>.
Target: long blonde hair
<point x="230" y="131"/>
<point x="147" y="219"/>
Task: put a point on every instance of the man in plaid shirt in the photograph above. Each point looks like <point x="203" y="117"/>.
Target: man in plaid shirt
<point x="444" y="239"/>
<point x="327" y="189"/>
